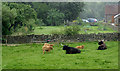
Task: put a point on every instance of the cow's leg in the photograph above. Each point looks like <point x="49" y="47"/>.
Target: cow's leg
<point x="43" y="51"/>
<point x="48" y="50"/>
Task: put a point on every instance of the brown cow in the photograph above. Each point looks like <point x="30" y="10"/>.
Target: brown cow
<point x="47" y="47"/>
<point x="80" y="47"/>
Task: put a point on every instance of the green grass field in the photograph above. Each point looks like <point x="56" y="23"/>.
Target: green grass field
<point x="0" y="57"/>
<point x="29" y="56"/>
<point x="58" y="29"/>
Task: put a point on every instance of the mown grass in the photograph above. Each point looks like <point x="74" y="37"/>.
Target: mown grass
<point x="29" y="56"/>
<point x="60" y="29"/>
<point x="47" y="29"/>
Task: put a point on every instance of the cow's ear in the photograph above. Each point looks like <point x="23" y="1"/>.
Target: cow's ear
<point x="98" y="40"/>
<point x="62" y="44"/>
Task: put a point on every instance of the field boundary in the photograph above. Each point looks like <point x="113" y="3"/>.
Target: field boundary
<point x="59" y="38"/>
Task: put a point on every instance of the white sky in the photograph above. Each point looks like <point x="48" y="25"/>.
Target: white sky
<point x="60" y="0"/>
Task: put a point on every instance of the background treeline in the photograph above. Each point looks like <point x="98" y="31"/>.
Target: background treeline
<point x="95" y="10"/>
<point x="24" y="16"/>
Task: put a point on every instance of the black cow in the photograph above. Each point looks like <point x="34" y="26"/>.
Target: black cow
<point x="102" y="46"/>
<point x="71" y="50"/>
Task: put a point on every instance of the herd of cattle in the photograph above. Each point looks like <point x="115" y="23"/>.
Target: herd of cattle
<point x="71" y="50"/>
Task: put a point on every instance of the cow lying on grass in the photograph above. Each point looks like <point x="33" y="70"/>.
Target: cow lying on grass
<point x="47" y="47"/>
<point x="80" y="47"/>
<point x="102" y="45"/>
<point x="71" y="50"/>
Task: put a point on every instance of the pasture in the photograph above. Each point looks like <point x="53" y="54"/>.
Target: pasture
<point x="30" y="56"/>
<point x="84" y="29"/>
<point x="60" y="29"/>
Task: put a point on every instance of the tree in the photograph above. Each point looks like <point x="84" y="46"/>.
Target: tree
<point x="8" y="18"/>
<point x="94" y="10"/>
<point x="71" y="10"/>
<point x="17" y="15"/>
<point x="41" y="9"/>
<point x="54" y="17"/>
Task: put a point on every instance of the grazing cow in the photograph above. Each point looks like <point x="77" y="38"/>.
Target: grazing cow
<point x="102" y="45"/>
<point x="80" y="47"/>
<point x="71" y="50"/>
<point x="47" y="47"/>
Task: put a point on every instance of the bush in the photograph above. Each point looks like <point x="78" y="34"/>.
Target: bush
<point x="102" y="27"/>
<point x="72" y="30"/>
<point x="21" y="31"/>
<point x="79" y="21"/>
<point x="39" y="22"/>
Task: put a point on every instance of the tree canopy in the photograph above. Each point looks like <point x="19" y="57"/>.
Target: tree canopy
<point x="15" y="16"/>
<point x="26" y="15"/>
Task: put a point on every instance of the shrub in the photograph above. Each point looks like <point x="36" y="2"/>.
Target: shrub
<point x="79" y="21"/>
<point x="21" y="31"/>
<point x="68" y="30"/>
<point x="72" y="30"/>
<point x="39" y="22"/>
<point x="102" y="27"/>
<point x="30" y="24"/>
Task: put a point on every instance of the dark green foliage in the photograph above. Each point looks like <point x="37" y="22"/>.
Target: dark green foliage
<point x="41" y="9"/>
<point x="25" y="15"/>
<point x="8" y="19"/>
<point x="54" y="17"/>
<point x="39" y="22"/>
<point x="16" y="16"/>
<point x="70" y="9"/>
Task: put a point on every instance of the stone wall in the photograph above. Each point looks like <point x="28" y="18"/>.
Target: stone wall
<point x="61" y="38"/>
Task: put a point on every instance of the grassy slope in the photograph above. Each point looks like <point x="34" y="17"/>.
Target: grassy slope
<point x="29" y="56"/>
<point x="50" y="29"/>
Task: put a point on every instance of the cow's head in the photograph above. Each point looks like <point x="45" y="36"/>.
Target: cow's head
<point x="100" y="42"/>
<point x="65" y="47"/>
